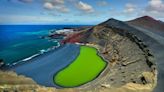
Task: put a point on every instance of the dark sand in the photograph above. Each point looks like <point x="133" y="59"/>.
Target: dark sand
<point x="42" y="68"/>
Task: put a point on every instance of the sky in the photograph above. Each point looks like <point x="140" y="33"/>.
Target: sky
<point x="77" y="12"/>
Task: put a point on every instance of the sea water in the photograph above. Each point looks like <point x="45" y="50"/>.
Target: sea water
<point x="18" y="42"/>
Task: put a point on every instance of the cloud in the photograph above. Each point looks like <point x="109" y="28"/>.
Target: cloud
<point x="85" y="7"/>
<point x="156" y="5"/>
<point x="48" y="5"/>
<point x="155" y="8"/>
<point x="129" y="8"/>
<point x="102" y="3"/>
<point x="56" y="2"/>
<point x="26" y="19"/>
<point x="57" y="5"/>
<point x="26" y="1"/>
<point x="62" y="9"/>
<point x="128" y="11"/>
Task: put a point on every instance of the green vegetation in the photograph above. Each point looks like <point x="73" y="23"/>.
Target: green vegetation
<point x="85" y="68"/>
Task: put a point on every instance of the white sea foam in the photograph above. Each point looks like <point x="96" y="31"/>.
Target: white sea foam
<point x="35" y="55"/>
<point x="26" y="59"/>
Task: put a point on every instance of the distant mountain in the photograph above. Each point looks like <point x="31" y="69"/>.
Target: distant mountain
<point x="148" y="23"/>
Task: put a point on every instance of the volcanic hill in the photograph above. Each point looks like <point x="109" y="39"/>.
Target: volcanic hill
<point x="148" y="23"/>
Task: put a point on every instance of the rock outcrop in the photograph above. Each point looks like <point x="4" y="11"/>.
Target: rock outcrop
<point x="1" y="63"/>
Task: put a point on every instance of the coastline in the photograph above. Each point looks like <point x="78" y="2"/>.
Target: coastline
<point x="41" y="52"/>
<point x="43" y="67"/>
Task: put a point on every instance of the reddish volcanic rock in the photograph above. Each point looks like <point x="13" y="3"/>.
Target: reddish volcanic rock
<point x="73" y="38"/>
<point x="147" y="18"/>
<point x="56" y="35"/>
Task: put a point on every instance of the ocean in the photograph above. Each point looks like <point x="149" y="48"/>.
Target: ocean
<point x="18" y="42"/>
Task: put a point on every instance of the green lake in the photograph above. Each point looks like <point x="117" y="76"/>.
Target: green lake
<point x="86" y="67"/>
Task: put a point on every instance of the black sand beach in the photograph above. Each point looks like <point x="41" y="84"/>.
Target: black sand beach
<point x="42" y="68"/>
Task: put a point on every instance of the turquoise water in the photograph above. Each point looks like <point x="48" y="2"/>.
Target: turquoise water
<point x="18" y="42"/>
